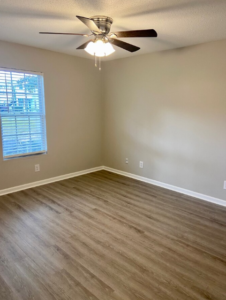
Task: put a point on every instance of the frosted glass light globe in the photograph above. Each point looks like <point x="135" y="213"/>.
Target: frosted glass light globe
<point x="99" y="48"/>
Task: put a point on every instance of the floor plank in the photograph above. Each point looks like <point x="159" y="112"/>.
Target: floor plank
<point x="105" y="236"/>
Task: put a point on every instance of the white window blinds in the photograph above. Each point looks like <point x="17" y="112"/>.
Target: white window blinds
<point x="22" y="113"/>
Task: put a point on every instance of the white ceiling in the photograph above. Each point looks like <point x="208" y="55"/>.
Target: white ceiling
<point x="179" y="23"/>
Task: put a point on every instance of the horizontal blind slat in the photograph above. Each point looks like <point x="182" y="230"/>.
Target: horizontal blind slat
<point x="22" y="113"/>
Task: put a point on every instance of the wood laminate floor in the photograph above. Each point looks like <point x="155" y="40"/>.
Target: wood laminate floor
<point x="104" y="236"/>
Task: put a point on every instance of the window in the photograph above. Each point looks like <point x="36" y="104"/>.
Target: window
<point x="22" y="113"/>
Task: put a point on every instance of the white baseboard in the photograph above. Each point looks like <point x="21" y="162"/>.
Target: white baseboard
<point x="130" y="175"/>
<point x="46" y="181"/>
<point x="169" y="187"/>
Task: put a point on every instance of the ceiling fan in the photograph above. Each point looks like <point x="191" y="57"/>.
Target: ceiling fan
<point x="103" y="39"/>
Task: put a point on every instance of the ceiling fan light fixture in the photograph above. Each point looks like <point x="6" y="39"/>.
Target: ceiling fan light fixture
<point x="108" y="49"/>
<point x="99" y="48"/>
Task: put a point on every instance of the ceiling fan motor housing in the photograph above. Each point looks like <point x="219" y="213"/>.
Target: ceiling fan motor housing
<point x="103" y="23"/>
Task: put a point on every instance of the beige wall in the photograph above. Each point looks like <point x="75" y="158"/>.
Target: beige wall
<point x="73" y="112"/>
<point x="168" y="110"/>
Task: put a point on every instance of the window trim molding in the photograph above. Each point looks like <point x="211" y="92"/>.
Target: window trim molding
<point x="10" y="157"/>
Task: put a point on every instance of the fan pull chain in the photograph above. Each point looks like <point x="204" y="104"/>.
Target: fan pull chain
<point x="99" y="63"/>
<point x="95" y="59"/>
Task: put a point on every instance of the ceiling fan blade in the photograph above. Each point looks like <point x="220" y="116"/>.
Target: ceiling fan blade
<point x="126" y="46"/>
<point x="90" y="24"/>
<point x="83" y="46"/>
<point x="63" y="33"/>
<point x="136" y="33"/>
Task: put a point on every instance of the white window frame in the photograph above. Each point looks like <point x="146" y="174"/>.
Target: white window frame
<point x="9" y="157"/>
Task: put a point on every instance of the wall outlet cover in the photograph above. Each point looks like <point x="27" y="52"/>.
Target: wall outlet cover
<point x="225" y="185"/>
<point x="37" y="168"/>
<point x="141" y="164"/>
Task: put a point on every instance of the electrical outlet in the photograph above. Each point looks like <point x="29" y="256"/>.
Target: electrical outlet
<point x="127" y="160"/>
<point x="141" y="164"/>
<point x="37" y="168"/>
<point x="225" y="185"/>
